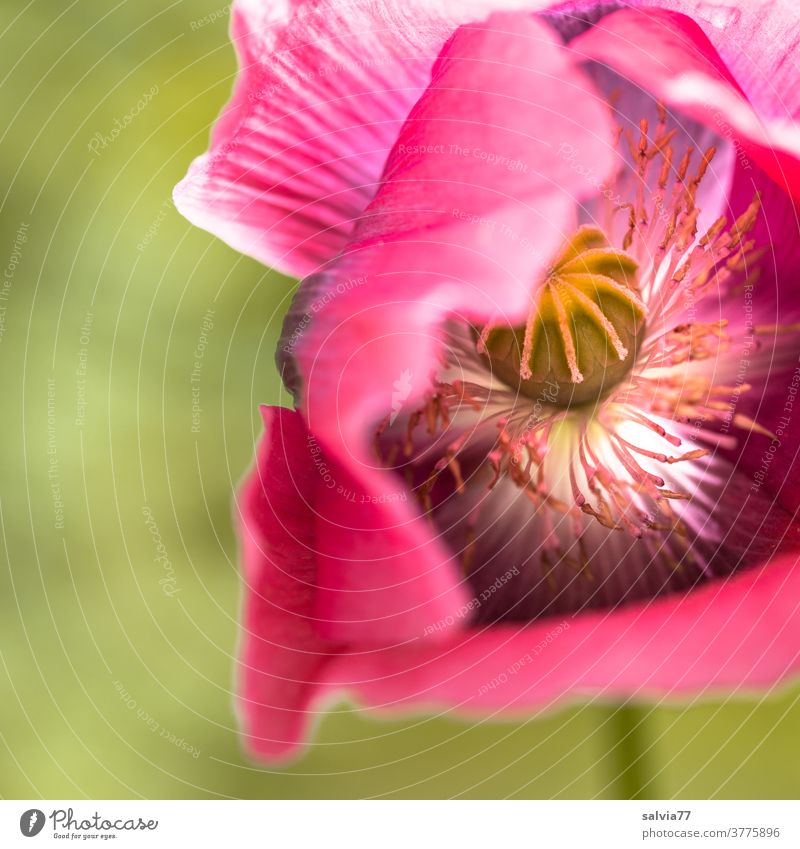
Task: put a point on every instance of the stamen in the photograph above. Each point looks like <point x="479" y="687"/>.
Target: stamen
<point x="580" y="408"/>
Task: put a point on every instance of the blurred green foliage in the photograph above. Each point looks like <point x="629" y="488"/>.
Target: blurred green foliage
<point x="110" y="687"/>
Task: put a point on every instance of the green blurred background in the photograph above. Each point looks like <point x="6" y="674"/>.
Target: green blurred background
<point x="110" y="686"/>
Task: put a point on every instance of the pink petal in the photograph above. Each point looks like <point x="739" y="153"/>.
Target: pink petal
<point x="758" y="42"/>
<point x="670" y="56"/>
<point x="323" y="568"/>
<point x="322" y="92"/>
<point x="737" y="634"/>
<point x="281" y="654"/>
<point x="382" y="576"/>
<point x="454" y="233"/>
<point x="777" y="230"/>
<point x="504" y="100"/>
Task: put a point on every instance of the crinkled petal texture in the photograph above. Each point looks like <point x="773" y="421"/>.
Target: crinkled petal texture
<point x="322" y="92"/>
<point x="738" y="634"/>
<point x="734" y="67"/>
<point x="758" y="42"/>
<point x="669" y="55"/>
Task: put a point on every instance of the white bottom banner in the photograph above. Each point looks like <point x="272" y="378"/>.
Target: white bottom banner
<point x="400" y="824"/>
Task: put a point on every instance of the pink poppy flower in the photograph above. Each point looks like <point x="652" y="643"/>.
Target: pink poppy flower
<point x="544" y="359"/>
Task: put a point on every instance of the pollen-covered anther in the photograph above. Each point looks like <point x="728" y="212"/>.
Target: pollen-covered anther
<point x="583" y="331"/>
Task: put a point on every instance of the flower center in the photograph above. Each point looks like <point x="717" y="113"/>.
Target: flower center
<point x="588" y="447"/>
<point x="584" y="329"/>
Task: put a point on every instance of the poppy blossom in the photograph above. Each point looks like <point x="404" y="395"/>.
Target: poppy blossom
<point x="544" y="356"/>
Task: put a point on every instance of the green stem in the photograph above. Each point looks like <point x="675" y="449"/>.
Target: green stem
<point x="629" y="757"/>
